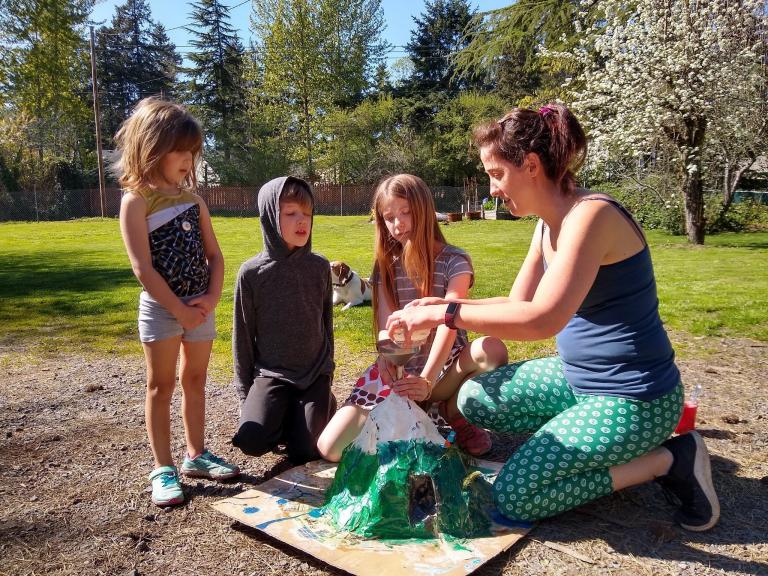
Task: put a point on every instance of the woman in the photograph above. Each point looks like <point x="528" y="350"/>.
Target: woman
<point x="602" y="409"/>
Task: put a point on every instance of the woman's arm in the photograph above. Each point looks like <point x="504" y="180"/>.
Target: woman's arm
<point x="458" y="288"/>
<point x="133" y="227"/>
<point x="584" y="240"/>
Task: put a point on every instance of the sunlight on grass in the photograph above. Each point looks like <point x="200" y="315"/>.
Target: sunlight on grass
<point x="68" y="285"/>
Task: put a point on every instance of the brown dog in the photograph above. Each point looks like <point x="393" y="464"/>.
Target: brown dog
<point x="348" y="286"/>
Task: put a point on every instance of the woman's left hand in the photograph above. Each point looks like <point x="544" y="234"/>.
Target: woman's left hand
<point x="415" y="388"/>
<point x="413" y="318"/>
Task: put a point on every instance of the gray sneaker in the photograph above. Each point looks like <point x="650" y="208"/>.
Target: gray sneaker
<point x="208" y="465"/>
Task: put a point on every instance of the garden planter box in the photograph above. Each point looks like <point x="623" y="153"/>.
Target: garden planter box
<point x="473" y="215"/>
<point x="499" y="215"/>
<point x="454" y="216"/>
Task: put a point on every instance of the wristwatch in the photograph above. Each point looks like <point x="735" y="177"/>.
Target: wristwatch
<point x="450" y="314"/>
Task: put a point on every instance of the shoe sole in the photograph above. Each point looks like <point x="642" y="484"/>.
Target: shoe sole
<point x="171" y="502"/>
<point x="702" y="471"/>
<point x="200" y="474"/>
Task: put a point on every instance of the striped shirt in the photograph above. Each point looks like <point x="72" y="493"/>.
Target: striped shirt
<point x="449" y="263"/>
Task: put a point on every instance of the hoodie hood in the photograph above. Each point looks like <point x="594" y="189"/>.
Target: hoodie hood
<point x="269" y="215"/>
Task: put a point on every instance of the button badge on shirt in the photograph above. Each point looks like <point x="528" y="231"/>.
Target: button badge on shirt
<point x="186" y="226"/>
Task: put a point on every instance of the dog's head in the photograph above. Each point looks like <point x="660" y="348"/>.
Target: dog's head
<point x="341" y="274"/>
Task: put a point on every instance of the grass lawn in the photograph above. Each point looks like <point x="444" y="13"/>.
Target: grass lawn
<point x="68" y="285"/>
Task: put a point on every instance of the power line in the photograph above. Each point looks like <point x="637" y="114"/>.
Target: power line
<point x="225" y="9"/>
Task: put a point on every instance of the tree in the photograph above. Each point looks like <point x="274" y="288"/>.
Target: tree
<point x="353" y="47"/>
<point x="134" y="58"/>
<point x="507" y="47"/>
<point x="355" y="138"/>
<point x="452" y="159"/>
<point x="44" y="74"/>
<point x="313" y="56"/>
<point x="438" y="36"/>
<point x="664" y="76"/>
<point x="216" y="90"/>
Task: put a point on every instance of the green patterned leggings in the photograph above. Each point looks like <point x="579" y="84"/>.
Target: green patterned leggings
<point x="577" y="437"/>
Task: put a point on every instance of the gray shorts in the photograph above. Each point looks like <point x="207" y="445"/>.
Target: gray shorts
<point x="156" y="323"/>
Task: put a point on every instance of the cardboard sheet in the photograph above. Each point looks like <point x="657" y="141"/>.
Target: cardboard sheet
<point x="285" y="507"/>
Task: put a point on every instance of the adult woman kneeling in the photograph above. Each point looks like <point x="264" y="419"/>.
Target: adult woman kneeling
<point x="602" y="411"/>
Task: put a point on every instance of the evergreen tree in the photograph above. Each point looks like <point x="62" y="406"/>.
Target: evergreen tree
<point x="135" y="58"/>
<point x="216" y="89"/>
<point x="438" y="36"/>
<point x="509" y="47"/>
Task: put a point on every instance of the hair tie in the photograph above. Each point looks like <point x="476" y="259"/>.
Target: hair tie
<point x="546" y="110"/>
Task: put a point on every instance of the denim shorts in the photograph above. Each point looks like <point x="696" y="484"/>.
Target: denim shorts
<point x="156" y="323"/>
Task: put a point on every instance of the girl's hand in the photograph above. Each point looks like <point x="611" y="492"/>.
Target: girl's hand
<point x="415" y="388"/>
<point x="191" y="316"/>
<point x="387" y="370"/>
<point x="427" y="301"/>
<point x="401" y="324"/>
<point x="206" y="302"/>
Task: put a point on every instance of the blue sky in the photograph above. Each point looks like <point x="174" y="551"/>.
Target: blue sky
<point x="398" y="14"/>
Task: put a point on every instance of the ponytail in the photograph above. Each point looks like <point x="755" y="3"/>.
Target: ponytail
<point x="552" y="132"/>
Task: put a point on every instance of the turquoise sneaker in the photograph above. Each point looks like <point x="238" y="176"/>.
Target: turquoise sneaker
<point x="208" y="465"/>
<point x="166" y="489"/>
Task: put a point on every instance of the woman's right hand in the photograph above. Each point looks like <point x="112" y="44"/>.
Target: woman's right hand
<point x="427" y="301"/>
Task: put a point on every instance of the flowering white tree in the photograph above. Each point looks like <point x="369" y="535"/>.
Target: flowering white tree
<point x="679" y="74"/>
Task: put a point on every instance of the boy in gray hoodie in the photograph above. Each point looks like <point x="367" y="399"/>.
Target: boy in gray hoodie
<point x="282" y="336"/>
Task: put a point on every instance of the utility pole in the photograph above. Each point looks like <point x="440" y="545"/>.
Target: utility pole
<point x="102" y="194"/>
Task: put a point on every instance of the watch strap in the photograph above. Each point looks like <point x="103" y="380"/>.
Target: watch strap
<point x="450" y="314"/>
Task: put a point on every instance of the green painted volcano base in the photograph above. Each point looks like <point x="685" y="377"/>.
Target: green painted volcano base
<point x="408" y="489"/>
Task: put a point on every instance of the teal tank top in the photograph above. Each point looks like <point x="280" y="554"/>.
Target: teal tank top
<point x="615" y="344"/>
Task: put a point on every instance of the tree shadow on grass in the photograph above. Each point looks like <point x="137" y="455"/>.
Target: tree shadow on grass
<point x="44" y="290"/>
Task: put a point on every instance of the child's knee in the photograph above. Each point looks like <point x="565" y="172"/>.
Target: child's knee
<point x="302" y="454"/>
<point x="252" y="439"/>
<point x="489" y="352"/>
<point x="326" y="449"/>
<point x="160" y="390"/>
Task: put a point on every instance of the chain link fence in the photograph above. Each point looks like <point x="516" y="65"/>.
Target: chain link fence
<point x="331" y="199"/>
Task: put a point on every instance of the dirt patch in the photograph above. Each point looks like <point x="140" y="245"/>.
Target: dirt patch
<point x="74" y="459"/>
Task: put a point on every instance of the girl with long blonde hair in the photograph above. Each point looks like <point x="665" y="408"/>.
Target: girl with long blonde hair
<point x="413" y="261"/>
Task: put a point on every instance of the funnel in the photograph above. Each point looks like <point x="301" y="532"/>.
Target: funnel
<point x="397" y="354"/>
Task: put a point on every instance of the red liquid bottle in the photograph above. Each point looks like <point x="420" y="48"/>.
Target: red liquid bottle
<point x="688" y="418"/>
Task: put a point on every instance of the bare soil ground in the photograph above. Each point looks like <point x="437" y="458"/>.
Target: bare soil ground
<point x="74" y="459"/>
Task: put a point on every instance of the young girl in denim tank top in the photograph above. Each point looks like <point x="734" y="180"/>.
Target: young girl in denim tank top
<point x="173" y="251"/>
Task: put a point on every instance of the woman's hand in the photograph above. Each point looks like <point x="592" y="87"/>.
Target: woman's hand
<point x="427" y="301"/>
<point x="401" y="324"/>
<point x="415" y="388"/>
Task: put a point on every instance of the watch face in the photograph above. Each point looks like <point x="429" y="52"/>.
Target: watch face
<point x="452" y="308"/>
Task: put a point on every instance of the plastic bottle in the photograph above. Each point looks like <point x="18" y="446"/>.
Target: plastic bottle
<point x="688" y="418"/>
